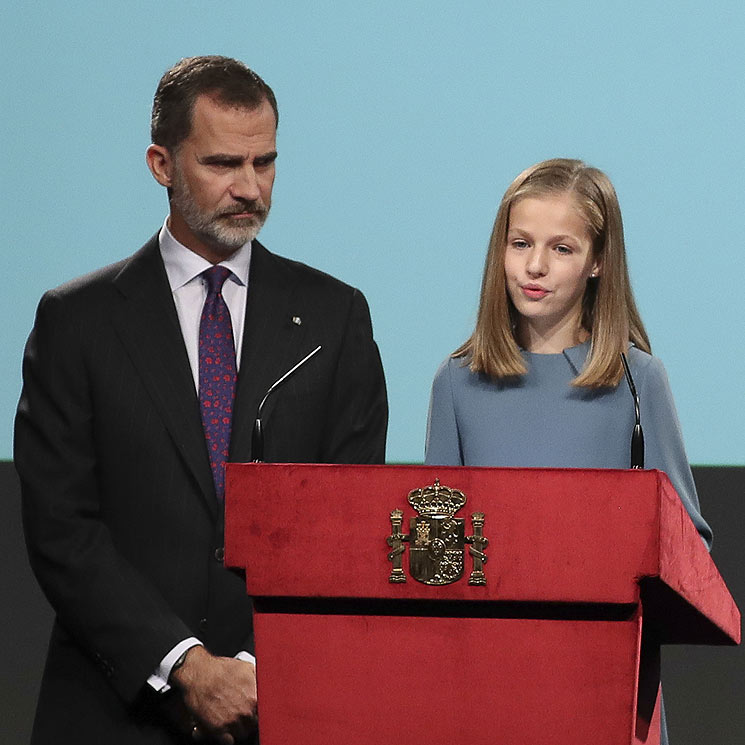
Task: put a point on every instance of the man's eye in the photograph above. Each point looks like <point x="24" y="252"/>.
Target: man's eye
<point x="223" y="164"/>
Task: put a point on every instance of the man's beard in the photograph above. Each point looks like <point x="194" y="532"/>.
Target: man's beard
<point x="217" y="229"/>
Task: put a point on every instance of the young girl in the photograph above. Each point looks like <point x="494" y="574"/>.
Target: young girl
<point x="540" y="382"/>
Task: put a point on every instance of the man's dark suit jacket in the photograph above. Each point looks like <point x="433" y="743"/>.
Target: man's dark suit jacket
<point x="123" y="527"/>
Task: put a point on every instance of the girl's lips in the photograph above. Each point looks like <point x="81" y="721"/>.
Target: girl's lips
<point x="534" y="292"/>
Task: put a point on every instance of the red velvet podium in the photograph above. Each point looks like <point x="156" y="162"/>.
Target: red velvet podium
<point x="587" y="573"/>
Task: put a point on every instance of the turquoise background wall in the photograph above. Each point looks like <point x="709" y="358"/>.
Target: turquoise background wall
<point x="402" y="123"/>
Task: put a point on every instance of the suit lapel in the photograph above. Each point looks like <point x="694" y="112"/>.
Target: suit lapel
<point x="149" y="329"/>
<point x="272" y="343"/>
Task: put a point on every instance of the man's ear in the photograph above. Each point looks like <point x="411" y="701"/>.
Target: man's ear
<point x="160" y="163"/>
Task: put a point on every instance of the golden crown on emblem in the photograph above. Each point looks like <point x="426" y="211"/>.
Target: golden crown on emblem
<point x="436" y="500"/>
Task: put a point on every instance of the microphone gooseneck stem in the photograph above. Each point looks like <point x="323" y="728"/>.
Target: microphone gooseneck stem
<point x="637" y="435"/>
<point x="257" y="436"/>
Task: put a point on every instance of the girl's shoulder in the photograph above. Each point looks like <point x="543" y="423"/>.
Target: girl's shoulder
<point x="646" y="369"/>
<point x="454" y="366"/>
<point x="453" y="372"/>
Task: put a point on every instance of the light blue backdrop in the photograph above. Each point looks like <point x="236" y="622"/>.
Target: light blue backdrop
<point x="401" y="125"/>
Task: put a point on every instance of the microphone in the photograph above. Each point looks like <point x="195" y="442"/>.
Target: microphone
<point x="637" y="436"/>
<point x="257" y="437"/>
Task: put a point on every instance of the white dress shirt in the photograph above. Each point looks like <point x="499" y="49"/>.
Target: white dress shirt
<point x="189" y="289"/>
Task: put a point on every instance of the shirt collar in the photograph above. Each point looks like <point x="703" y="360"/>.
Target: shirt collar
<point x="577" y="356"/>
<point x="183" y="265"/>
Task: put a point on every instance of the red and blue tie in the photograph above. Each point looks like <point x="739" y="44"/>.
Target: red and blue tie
<point x="217" y="374"/>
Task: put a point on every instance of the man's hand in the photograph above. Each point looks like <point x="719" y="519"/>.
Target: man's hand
<point x="220" y="693"/>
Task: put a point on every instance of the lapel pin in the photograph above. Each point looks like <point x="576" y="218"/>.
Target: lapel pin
<point x="297" y="320"/>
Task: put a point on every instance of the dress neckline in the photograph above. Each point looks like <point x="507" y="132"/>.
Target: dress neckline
<point x="566" y="352"/>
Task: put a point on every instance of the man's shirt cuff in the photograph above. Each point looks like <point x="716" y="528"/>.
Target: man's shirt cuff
<point x="159" y="679"/>
<point x="246" y="657"/>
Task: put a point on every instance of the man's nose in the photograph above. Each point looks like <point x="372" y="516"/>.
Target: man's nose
<point x="246" y="185"/>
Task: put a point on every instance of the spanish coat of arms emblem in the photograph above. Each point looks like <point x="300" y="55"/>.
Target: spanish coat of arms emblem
<point x="437" y="538"/>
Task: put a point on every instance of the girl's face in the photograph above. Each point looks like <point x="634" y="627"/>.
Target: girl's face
<point x="548" y="260"/>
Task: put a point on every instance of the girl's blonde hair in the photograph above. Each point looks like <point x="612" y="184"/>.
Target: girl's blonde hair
<point x="609" y="313"/>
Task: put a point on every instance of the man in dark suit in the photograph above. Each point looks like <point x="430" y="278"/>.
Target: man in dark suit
<point x="132" y="403"/>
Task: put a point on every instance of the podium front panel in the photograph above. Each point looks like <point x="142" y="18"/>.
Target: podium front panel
<point x="438" y="681"/>
<point x="558" y="535"/>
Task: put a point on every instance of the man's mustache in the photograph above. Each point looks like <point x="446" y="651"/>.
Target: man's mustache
<point x="246" y="205"/>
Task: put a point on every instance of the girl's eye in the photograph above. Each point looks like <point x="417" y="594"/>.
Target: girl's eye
<point x="562" y="249"/>
<point x="519" y="243"/>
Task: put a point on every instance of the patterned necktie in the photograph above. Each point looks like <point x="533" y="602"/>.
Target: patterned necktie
<point x="217" y="374"/>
